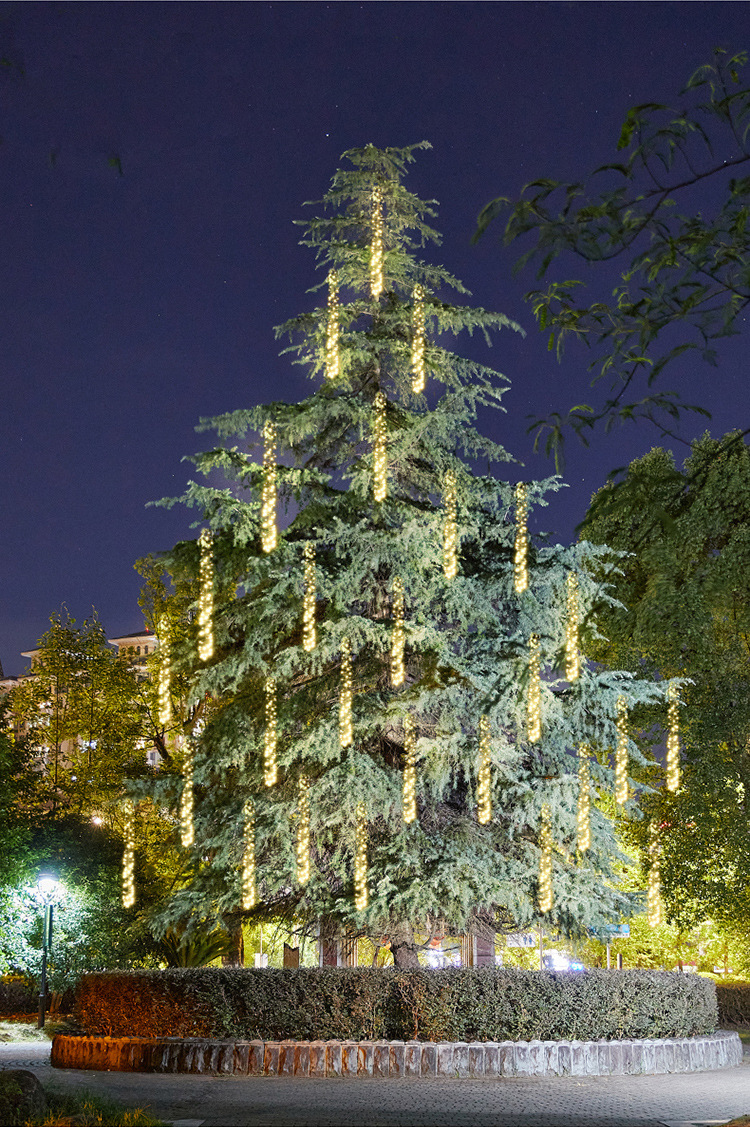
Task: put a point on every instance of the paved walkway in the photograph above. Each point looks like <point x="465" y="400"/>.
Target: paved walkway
<point x="684" y="1100"/>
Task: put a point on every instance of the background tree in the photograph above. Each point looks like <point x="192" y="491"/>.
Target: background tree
<point x="374" y="682"/>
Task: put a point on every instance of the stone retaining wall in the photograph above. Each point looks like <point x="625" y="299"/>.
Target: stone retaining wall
<point x="398" y="1058"/>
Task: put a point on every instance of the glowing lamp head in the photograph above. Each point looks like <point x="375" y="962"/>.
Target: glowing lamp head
<point x="47" y="885"/>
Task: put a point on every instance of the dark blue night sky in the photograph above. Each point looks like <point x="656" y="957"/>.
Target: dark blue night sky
<point x="133" y="304"/>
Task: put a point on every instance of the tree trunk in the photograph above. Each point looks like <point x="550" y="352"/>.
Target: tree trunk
<point x="404" y="948"/>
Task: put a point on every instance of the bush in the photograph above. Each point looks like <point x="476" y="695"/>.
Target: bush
<point x="734" y="1003"/>
<point x="17" y="995"/>
<point x="364" y="1003"/>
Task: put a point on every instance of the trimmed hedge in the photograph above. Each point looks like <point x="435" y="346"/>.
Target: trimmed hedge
<point x="17" y="996"/>
<point x="734" y="1003"/>
<point x="364" y="1003"/>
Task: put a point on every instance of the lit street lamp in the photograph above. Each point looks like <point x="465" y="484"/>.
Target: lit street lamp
<point x="48" y="886"/>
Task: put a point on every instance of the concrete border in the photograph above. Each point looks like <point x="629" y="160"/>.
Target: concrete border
<point x="391" y="1059"/>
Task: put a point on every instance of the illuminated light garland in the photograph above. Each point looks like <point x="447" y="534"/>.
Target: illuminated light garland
<point x="572" y="653"/>
<point x="410" y="771"/>
<point x="206" y="598"/>
<point x="128" y="855"/>
<point x="269" y="536"/>
<point x="346" y="734"/>
<point x="376" y="248"/>
<point x="484" y="779"/>
<point x="622" y="791"/>
<point x="521" y="551"/>
<point x="333" y="358"/>
<point x="673" y="740"/>
<point x="270" y="766"/>
<point x="450" y="527"/>
<point x="303" y="830"/>
<point x="583" y="823"/>
<point x="187" y="834"/>
<point x="398" y="637"/>
<point x="534" y="699"/>
<point x="545" y="861"/>
<point x="417" y="342"/>
<point x="654" y="907"/>
<point x="308" y="601"/>
<point x="164" y="696"/>
<point x="379" y="457"/>
<point x="360" y="859"/>
<point x="249" y="895"/>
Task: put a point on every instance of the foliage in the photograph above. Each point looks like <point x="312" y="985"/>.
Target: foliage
<point x="193" y="950"/>
<point x="674" y="204"/>
<point x="734" y="1002"/>
<point x="374" y="1004"/>
<point x="66" y="1108"/>
<point x="467" y="640"/>
<point x="686" y="588"/>
<point x="21" y="796"/>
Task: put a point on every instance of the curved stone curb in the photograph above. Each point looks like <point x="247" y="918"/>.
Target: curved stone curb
<point x="398" y="1058"/>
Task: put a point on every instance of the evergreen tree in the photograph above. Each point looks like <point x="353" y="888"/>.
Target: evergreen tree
<point x="373" y="669"/>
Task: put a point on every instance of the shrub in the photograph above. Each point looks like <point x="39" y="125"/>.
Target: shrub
<point x="734" y="1003"/>
<point x="17" y="995"/>
<point x="372" y="1004"/>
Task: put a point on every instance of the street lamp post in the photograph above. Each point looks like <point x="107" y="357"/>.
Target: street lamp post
<point x="47" y="886"/>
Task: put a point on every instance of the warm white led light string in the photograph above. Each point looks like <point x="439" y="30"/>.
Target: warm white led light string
<point x="622" y="791"/>
<point x="450" y="527"/>
<point x="583" y="822"/>
<point x="269" y="536"/>
<point x="249" y="895"/>
<point x="163" y="693"/>
<point x="410" y="771"/>
<point x="333" y="358"/>
<point x="534" y="698"/>
<point x="308" y="600"/>
<point x="417" y="341"/>
<point x="398" y="635"/>
<point x="376" y="247"/>
<point x="128" y="855"/>
<point x="520" y="555"/>
<point x="379" y="454"/>
<point x="572" y="653"/>
<point x="187" y="833"/>
<point x="206" y="598"/>
<point x="545" y="861"/>
<point x="484" y="777"/>
<point x="346" y="734"/>
<point x="303" y="830"/>
<point x="270" y="738"/>
<point x="654" y="907"/>
<point x="673" y="740"/>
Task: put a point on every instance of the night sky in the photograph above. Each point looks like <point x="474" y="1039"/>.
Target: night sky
<point x="133" y="304"/>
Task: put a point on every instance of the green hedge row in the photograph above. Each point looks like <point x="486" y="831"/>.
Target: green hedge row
<point x="18" y="996"/>
<point x="734" y="1003"/>
<point x="365" y="1003"/>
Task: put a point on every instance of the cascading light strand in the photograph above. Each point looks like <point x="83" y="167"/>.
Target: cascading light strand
<point x="308" y="599"/>
<point x="521" y="550"/>
<point x="534" y="696"/>
<point x="333" y="356"/>
<point x="622" y="790"/>
<point x="270" y="740"/>
<point x="249" y="894"/>
<point x="187" y="832"/>
<point x="360" y="859"/>
<point x="410" y="771"/>
<point x="484" y="776"/>
<point x="572" y="621"/>
<point x="583" y="821"/>
<point x="450" y="527"/>
<point x="546" y="898"/>
<point x="654" y="907"/>
<point x="303" y="830"/>
<point x="269" y="536"/>
<point x="417" y="342"/>
<point x="128" y="855"/>
<point x="673" y="739"/>
<point x="163" y="685"/>
<point x="376" y="246"/>
<point x="379" y="452"/>
<point x="398" y="635"/>
<point x="346" y="733"/>
<point x="206" y="597"/>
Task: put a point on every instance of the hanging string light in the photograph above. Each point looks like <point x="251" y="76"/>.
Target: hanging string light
<point x="303" y="830"/>
<point x="346" y="734"/>
<point x="520" y="557"/>
<point x="249" y="895"/>
<point x="308" y="601"/>
<point x="187" y="835"/>
<point x="584" y="801"/>
<point x="269" y="536"/>
<point x="376" y="249"/>
<point x="545" y="861"/>
<point x="164" y="696"/>
<point x="417" y="341"/>
<point x="484" y="780"/>
<point x="572" y="654"/>
<point x="673" y="740"/>
<point x="360" y="859"/>
<point x="270" y="766"/>
<point x="534" y="699"/>
<point x="206" y="598"/>
<point x="654" y="907"/>
<point x="379" y="458"/>
<point x="333" y="358"/>
<point x="622" y="792"/>
<point x="450" y="527"/>
<point x="128" y="855"/>
<point x="398" y="636"/>
<point x="410" y="771"/>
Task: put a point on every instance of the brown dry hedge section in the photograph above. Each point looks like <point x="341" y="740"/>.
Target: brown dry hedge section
<point x="734" y="1003"/>
<point x="363" y="1003"/>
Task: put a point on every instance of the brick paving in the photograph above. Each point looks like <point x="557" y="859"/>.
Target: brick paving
<point x="675" y="1100"/>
